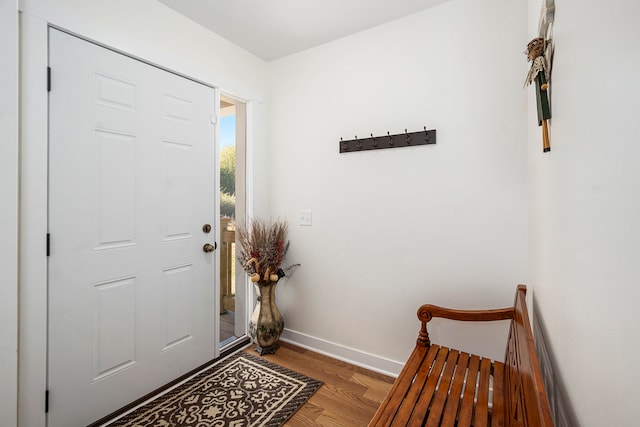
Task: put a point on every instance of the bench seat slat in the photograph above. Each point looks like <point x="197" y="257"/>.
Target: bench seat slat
<point x="466" y="404"/>
<point x="437" y="407"/>
<point x="424" y="401"/>
<point x="394" y="398"/>
<point x="482" y="404"/>
<point x="451" y="409"/>
<point x="497" y="411"/>
<point x="412" y="396"/>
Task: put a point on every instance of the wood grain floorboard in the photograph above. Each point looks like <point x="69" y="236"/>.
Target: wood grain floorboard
<point x="349" y="396"/>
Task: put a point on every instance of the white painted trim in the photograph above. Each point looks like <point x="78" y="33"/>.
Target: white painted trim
<point x="216" y="221"/>
<point x="346" y="354"/>
<point x="249" y="147"/>
<point x="9" y="172"/>
<point x="250" y="125"/>
<point x="242" y="284"/>
<point x="32" y="375"/>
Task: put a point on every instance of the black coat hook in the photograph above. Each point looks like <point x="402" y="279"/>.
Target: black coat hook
<point x="407" y="137"/>
<point x="374" y="143"/>
<point x="390" y="138"/>
<point x="358" y="143"/>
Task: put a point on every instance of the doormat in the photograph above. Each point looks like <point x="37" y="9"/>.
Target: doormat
<point x="243" y="390"/>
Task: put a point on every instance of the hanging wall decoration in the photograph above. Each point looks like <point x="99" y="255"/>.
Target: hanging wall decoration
<point x="540" y="53"/>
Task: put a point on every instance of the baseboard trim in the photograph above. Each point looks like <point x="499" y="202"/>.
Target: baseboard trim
<point x="350" y="355"/>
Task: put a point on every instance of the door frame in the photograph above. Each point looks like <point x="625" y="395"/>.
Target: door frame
<point x="242" y="109"/>
<point x="32" y="306"/>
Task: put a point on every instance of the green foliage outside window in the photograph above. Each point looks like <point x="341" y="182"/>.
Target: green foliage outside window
<point x="228" y="181"/>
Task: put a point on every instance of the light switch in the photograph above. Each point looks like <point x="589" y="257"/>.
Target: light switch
<point x="304" y="217"/>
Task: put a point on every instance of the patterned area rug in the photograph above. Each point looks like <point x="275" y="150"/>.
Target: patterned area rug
<point x="243" y="390"/>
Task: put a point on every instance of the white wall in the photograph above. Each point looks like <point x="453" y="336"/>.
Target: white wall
<point x="396" y="228"/>
<point x="145" y="29"/>
<point x="8" y="211"/>
<point x="585" y="210"/>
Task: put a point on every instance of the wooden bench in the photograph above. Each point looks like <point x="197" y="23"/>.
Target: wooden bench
<point x="439" y="386"/>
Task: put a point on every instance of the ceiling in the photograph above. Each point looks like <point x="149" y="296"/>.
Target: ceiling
<point x="276" y="28"/>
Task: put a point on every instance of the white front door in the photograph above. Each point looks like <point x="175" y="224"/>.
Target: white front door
<point x="131" y="184"/>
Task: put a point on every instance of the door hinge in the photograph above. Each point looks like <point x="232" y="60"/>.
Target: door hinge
<point x="48" y="244"/>
<point x="46" y="401"/>
<point x="48" y="79"/>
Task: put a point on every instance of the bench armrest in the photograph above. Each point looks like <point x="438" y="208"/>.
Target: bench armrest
<point x="428" y="312"/>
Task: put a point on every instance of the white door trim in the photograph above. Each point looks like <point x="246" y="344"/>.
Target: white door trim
<point x="32" y="373"/>
<point x="137" y="58"/>
<point x="9" y="170"/>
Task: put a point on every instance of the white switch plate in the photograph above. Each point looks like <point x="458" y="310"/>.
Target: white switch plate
<point x="304" y="217"/>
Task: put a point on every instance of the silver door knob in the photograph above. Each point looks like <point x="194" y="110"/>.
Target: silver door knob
<point x="208" y="247"/>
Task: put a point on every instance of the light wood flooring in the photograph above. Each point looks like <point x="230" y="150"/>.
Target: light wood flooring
<point x="349" y="396"/>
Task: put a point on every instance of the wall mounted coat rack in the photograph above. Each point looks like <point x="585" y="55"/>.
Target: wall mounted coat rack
<point x="422" y="137"/>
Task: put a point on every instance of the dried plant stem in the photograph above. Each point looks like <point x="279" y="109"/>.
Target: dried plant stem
<point x="262" y="247"/>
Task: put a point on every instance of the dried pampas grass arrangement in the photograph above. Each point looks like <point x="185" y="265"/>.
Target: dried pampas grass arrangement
<point x="263" y="247"/>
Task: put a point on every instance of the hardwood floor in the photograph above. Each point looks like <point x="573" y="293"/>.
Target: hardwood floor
<point x="349" y="396"/>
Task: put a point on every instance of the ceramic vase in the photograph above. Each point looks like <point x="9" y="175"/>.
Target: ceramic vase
<point x="266" y="323"/>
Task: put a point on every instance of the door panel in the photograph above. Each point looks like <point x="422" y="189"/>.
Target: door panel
<point x="113" y="192"/>
<point x="114" y="338"/>
<point x="179" y="295"/>
<point x="131" y="182"/>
